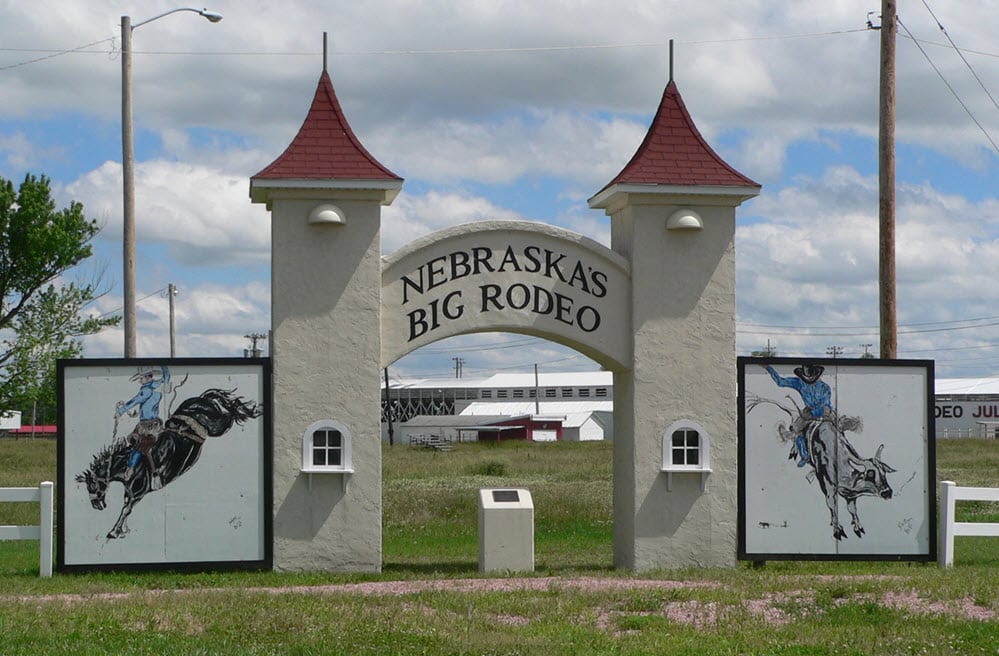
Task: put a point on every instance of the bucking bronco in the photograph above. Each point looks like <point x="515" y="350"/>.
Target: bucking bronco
<point x="176" y="449"/>
<point x="819" y="437"/>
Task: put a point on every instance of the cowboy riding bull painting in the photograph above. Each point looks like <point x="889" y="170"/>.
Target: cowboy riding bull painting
<point x="836" y="459"/>
<point x="164" y="464"/>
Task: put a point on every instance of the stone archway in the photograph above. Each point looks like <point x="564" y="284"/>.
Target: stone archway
<point x="658" y="308"/>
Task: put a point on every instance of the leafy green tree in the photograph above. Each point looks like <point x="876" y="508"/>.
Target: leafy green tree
<point x="41" y="317"/>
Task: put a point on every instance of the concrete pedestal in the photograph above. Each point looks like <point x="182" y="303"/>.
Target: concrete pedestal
<point x="506" y="530"/>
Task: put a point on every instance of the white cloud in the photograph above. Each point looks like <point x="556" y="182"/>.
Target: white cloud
<point x="815" y="264"/>
<point x="17" y="153"/>
<point x="199" y="212"/>
<point x="210" y="320"/>
<point x="411" y="217"/>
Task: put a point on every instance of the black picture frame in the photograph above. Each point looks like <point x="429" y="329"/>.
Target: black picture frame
<point x="213" y="452"/>
<point x="789" y="506"/>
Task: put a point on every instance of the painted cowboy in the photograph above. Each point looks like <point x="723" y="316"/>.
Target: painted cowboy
<point x="143" y="436"/>
<point x="817" y="397"/>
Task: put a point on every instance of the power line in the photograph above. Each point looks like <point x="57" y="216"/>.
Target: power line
<point x="53" y="53"/>
<point x="419" y="51"/>
<point x="150" y="295"/>
<point x="961" y="55"/>
<point x="479" y="347"/>
<point x="957" y="97"/>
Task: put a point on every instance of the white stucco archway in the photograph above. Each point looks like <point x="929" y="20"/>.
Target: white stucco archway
<point x="657" y="308"/>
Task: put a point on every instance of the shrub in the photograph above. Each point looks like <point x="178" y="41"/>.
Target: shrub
<point x="489" y="468"/>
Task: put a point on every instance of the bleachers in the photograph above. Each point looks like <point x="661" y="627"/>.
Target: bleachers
<point x="436" y="442"/>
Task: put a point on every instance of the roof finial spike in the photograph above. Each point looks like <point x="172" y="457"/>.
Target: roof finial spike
<point x="671" y="60"/>
<point x="325" y="51"/>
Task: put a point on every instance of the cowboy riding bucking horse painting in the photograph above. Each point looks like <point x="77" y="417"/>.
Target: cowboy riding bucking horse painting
<point x="159" y="433"/>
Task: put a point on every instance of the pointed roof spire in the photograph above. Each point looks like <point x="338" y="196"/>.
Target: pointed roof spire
<point x="325" y="148"/>
<point x="674" y="154"/>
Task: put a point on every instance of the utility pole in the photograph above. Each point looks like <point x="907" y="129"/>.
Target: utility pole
<point x="537" y="392"/>
<point x="128" y="172"/>
<point x="834" y="351"/>
<point x="867" y="351"/>
<point x="254" y="352"/>
<point x="128" y="191"/>
<point x="388" y="410"/>
<point x="886" y="182"/>
<point x="171" y="292"/>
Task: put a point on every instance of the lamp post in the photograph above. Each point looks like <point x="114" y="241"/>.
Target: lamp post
<point x="128" y="171"/>
<point x="171" y="292"/>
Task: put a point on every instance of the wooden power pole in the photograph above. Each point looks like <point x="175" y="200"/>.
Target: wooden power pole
<point x="886" y="182"/>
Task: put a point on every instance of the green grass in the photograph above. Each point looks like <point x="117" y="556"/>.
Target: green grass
<point x="430" y="532"/>
<point x="431" y="503"/>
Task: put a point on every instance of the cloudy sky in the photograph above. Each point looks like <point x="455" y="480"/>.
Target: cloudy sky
<point x="523" y="110"/>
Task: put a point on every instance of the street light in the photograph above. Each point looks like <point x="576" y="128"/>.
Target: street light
<point x="128" y="170"/>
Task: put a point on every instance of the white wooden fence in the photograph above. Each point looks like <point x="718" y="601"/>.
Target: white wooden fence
<point x="949" y="494"/>
<point x="42" y="532"/>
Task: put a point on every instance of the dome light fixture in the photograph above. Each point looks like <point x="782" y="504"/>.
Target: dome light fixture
<point x="327" y="214"/>
<point x="684" y="219"/>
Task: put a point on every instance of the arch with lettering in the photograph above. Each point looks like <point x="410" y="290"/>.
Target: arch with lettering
<point x="508" y="276"/>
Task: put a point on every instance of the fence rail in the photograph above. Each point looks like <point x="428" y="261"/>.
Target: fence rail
<point x="950" y="493"/>
<point x="41" y="532"/>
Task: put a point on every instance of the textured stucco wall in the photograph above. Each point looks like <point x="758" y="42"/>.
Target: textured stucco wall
<point x="326" y="282"/>
<point x="684" y="365"/>
<point x="679" y="364"/>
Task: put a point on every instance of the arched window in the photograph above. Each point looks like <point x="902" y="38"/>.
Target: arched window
<point x="686" y="448"/>
<point x="326" y="447"/>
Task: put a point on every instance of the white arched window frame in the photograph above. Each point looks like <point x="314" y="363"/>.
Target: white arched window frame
<point x="327" y="448"/>
<point x="686" y="450"/>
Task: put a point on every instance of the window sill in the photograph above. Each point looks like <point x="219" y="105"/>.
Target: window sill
<point x="703" y="471"/>
<point x="323" y="471"/>
<point x="327" y="470"/>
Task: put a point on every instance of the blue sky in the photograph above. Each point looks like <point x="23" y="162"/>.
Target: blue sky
<point x="523" y="110"/>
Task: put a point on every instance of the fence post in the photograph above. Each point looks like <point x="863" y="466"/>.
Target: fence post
<point x="945" y="533"/>
<point x="45" y="529"/>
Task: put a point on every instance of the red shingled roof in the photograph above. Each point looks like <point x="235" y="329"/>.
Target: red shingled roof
<point x="325" y="147"/>
<point x="674" y="153"/>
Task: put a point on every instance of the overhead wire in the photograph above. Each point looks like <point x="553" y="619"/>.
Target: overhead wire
<point x="950" y="87"/>
<point x="52" y="55"/>
<point x="119" y="309"/>
<point x="961" y="55"/>
<point x="420" y="51"/>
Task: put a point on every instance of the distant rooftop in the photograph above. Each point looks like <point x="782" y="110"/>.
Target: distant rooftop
<point x="507" y="380"/>
<point x="966" y="386"/>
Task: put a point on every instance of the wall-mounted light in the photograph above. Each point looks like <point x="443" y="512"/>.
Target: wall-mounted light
<point x="685" y="219"/>
<point x="327" y="214"/>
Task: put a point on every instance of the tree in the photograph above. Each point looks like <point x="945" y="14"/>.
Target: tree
<point x="41" y="318"/>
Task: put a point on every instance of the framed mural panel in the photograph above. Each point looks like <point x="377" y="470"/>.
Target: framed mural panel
<point x="164" y="464"/>
<point x="836" y="459"/>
